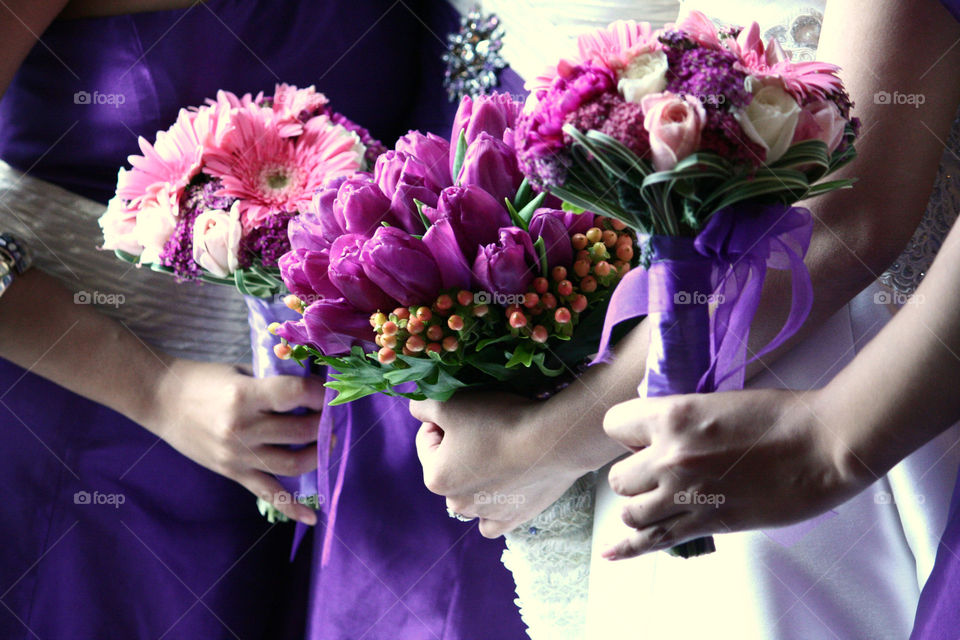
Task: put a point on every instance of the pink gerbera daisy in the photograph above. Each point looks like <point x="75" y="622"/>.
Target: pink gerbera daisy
<point x="292" y="107"/>
<point x="272" y="174"/>
<point x="699" y="28"/>
<point x="805" y="81"/>
<point x="611" y="48"/>
<point x="170" y="162"/>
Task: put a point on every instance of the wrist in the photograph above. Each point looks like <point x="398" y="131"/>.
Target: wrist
<point x="577" y="441"/>
<point x="845" y="459"/>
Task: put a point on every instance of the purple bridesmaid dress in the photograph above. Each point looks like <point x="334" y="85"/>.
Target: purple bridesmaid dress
<point x="186" y="555"/>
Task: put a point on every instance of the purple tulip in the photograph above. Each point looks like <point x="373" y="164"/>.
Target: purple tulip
<point x="508" y="266"/>
<point x="294" y="332"/>
<point x="575" y="222"/>
<point x="322" y="208"/>
<point x="493" y="114"/>
<point x="491" y="165"/>
<point x="474" y="214"/>
<point x="432" y="151"/>
<point x="305" y="273"/>
<point x="403" y="179"/>
<point x="305" y="231"/>
<point x="442" y="242"/>
<point x="401" y="265"/>
<point x="330" y="325"/>
<point x="360" y="206"/>
<point x="348" y="276"/>
<point x="546" y="224"/>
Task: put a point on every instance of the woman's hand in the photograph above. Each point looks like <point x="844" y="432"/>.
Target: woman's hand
<point x="715" y="463"/>
<point x="491" y="457"/>
<point x="228" y="422"/>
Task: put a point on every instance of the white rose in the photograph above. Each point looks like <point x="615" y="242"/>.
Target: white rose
<point x="119" y="224"/>
<point x="216" y="240"/>
<point x="646" y="74"/>
<point x="770" y="119"/>
<point x="156" y="222"/>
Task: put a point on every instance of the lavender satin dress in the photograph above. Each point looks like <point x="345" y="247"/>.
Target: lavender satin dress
<point x="185" y="554"/>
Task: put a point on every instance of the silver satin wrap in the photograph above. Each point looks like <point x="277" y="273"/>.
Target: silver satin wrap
<point x="190" y="320"/>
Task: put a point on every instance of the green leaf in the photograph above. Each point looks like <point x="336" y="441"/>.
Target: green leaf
<point x="418" y="368"/>
<point x="544" y="369"/>
<point x="460" y="155"/>
<point x="522" y="355"/>
<point x="441" y="390"/>
<point x="348" y="391"/>
<point x="541" y="249"/>
<point x="826" y="187"/>
<point x="524" y="195"/>
<point x="486" y="342"/>
<point x="515" y="215"/>
<point x="527" y="212"/>
<point x="126" y="257"/>
<point x="423" y="217"/>
<point x="566" y="206"/>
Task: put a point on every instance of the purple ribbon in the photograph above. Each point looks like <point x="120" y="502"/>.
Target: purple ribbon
<point x="724" y="267"/>
<point x="260" y="314"/>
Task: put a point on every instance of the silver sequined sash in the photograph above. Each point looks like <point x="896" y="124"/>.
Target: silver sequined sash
<point x="190" y="320"/>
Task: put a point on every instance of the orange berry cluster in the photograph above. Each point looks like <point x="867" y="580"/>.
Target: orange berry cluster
<point x="416" y="331"/>
<point x="553" y="305"/>
<point x="604" y="254"/>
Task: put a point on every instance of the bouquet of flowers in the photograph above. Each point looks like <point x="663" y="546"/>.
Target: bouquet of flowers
<point x="211" y="198"/>
<point x="701" y="140"/>
<point x="443" y="269"/>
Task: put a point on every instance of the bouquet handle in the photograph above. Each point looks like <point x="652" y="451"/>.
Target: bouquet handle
<point x="261" y="313"/>
<point x="700" y="295"/>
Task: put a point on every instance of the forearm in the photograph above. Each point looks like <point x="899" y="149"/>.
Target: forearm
<point x="858" y="232"/>
<point x="574" y="418"/>
<point x="901" y="391"/>
<point x="41" y="329"/>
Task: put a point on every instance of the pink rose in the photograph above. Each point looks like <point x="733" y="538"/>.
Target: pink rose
<point x="156" y="222"/>
<point x="674" y="124"/>
<point x="822" y="121"/>
<point x="119" y="224"/>
<point x="216" y="241"/>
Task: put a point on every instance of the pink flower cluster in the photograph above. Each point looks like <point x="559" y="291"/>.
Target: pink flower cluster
<point x="214" y="192"/>
<point x="686" y="88"/>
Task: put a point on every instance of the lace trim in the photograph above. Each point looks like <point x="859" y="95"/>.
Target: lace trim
<point x="908" y="271"/>
<point x="550" y="560"/>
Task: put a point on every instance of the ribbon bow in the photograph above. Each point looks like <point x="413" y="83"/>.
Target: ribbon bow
<point x="742" y="242"/>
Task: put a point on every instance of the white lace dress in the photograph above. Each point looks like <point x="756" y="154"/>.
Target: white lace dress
<point x="550" y="555"/>
<point x="854" y="575"/>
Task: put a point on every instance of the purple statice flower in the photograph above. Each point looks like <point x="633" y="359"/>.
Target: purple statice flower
<point x="710" y="75"/>
<point x="543" y="171"/>
<point x="199" y="196"/>
<point x="269" y="241"/>
<point x="723" y="135"/>
<point x="610" y="114"/>
<point x="540" y="132"/>
<point x="374" y="147"/>
<point x="676" y="40"/>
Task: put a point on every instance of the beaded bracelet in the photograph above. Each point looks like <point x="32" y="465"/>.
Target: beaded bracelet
<point x="14" y="260"/>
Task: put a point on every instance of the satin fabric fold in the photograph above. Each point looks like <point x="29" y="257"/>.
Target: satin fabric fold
<point x="261" y="313"/>
<point x="740" y="243"/>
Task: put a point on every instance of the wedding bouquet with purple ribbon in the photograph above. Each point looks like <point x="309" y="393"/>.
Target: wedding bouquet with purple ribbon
<point x="701" y="140"/>
<point x="210" y="200"/>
